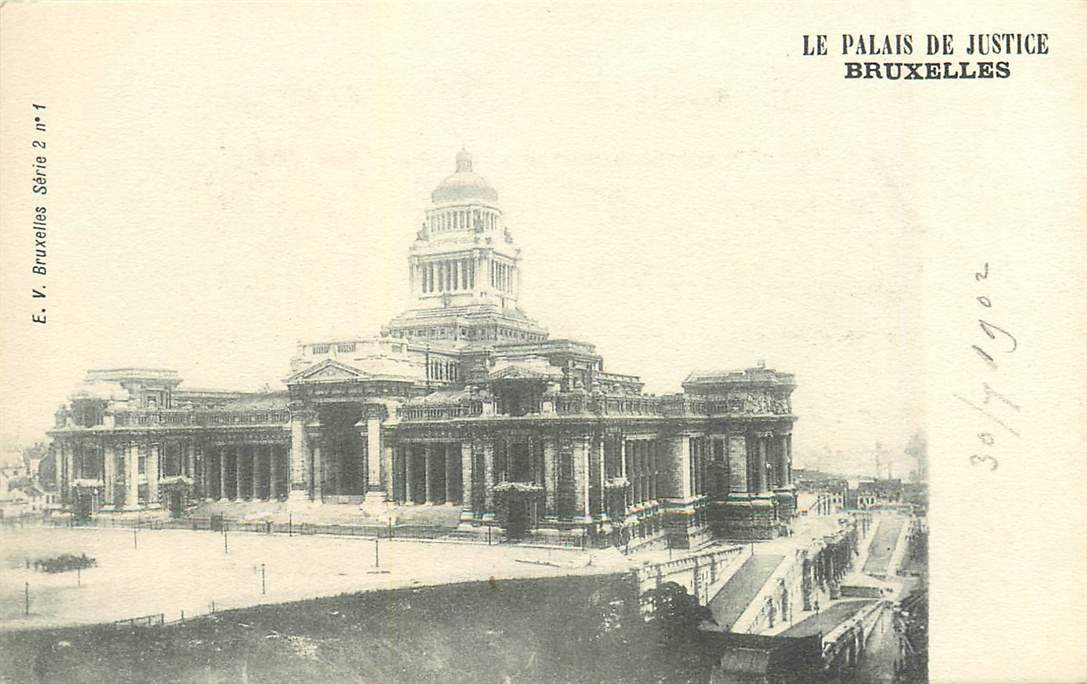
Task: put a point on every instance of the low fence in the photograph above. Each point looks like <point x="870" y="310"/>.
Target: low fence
<point x="153" y="620"/>
<point x="216" y="523"/>
<point x="484" y="534"/>
<point x="700" y="574"/>
<point x="845" y="643"/>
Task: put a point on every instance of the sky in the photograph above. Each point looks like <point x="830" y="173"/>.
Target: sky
<point x="225" y="185"/>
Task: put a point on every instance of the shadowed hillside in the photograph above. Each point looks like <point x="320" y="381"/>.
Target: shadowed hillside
<point x="582" y="629"/>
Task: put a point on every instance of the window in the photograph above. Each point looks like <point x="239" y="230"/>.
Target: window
<point x="566" y="465"/>
<point x="320" y="348"/>
<point x="345" y="347"/>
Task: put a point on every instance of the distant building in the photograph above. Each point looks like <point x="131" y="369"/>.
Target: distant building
<point x="463" y="400"/>
<point x="11" y="476"/>
<point x="818" y="492"/>
<point x="868" y="492"/>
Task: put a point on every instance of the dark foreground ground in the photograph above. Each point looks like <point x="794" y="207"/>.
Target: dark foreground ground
<point x="582" y="629"/>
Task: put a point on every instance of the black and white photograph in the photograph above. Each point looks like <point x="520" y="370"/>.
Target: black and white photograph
<point x="542" y="342"/>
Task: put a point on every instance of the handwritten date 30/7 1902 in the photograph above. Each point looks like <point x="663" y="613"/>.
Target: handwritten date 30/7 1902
<point x="997" y="343"/>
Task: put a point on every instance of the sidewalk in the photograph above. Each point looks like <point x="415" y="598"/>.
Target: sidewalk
<point x="741" y="589"/>
<point x="826" y="620"/>
<point x="884" y="542"/>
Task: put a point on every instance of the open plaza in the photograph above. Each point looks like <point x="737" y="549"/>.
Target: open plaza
<point x="138" y="573"/>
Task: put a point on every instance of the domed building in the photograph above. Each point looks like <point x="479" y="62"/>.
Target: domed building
<point x="464" y="403"/>
<point x="464" y="268"/>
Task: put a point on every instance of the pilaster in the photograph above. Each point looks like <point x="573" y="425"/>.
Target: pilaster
<point x="580" y="455"/>
<point x="108" y="472"/>
<point x="448" y="462"/>
<point x="153" y="451"/>
<point x="784" y="491"/>
<point x="488" y="479"/>
<point x="190" y="459"/>
<point x="255" y="461"/>
<point x="679" y="467"/>
<point x="428" y="471"/>
<point x="273" y="470"/>
<point x="222" y="473"/>
<point x="409" y="489"/>
<point x="373" y="450"/>
<point x="388" y="472"/>
<point x="599" y="468"/>
<point x="318" y="471"/>
<point x="761" y="463"/>
<point x="550" y="476"/>
<point x="238" y="473"/>
<point x="299" y="485"/>
<point x="132" y="477"/>
<point x="737" y="463"/>
<point x="467" y="512"/>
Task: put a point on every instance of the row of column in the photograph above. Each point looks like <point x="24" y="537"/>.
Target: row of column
<point x="429" y="472"/>
<point x="502" y="276"/>
<point x="245" y="471"/>
<point x="754" y="463"/>
<point x="462" y="219"/>
<point x="643" y="470"/>
<point x="120" y="467"/>
<point x="773" y="461"/>
<point x="479" y="271"/>
<point x="573" y="475"/>
<point x="448" y="275"/>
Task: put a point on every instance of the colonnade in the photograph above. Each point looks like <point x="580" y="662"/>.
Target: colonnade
<point x="573" y="474"/>
<point x="448" y="275"/>
<point x="643" y="470"/>
<point x="459" y="274"/>
<point x="443" y="220"/>
<point x="428" y="472"/>
<point x="755" y="462"/>
<point x="580" y="477"/>
<point x="126" y="473"/>
<point x="502" y="276"/>
<point x="245" y="471"/>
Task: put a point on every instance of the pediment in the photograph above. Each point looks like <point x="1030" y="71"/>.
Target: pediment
<point x="524" y="372"/>
<point x="327" y="371"/>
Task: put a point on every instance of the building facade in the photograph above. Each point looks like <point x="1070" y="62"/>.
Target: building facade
<point x="463" y="400"/>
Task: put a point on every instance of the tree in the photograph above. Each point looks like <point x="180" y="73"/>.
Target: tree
<point x="682" y="650"/>
<point x="677" y="613"/>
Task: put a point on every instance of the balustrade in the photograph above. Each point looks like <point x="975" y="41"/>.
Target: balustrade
<point x="183" y="417"/>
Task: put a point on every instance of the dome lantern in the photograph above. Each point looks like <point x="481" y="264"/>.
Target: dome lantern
<point x="464" y="161"/>
<point x="464" y="186"/>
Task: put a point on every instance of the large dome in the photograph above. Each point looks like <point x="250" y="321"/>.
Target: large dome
<point x="465" y="185"/>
